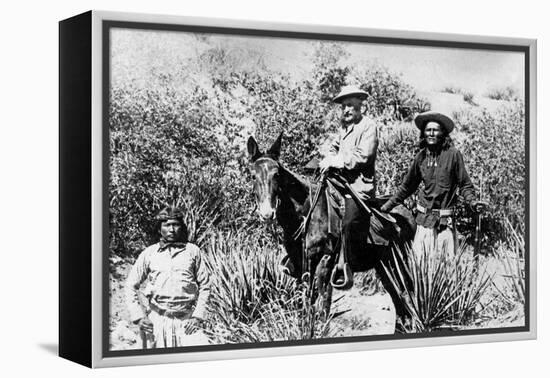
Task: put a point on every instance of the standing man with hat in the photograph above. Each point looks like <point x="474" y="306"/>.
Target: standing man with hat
<point x="353" y="153"/>
<point x="440" y="167"/>
<point x="177" y="286"/>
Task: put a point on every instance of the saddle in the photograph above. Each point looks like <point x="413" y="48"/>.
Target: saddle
<point x="382" y="227"/>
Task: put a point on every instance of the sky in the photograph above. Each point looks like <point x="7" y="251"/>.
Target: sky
<point x="426" y="68"/>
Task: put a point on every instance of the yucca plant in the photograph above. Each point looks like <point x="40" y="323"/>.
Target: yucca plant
<point x="513" y="261"/>
<point x="299" y="322"/>
<point x="438" y="290"/>
<point x="199" y="217"/>
<point x="251" y="299"/>
<point x="293" y="318"/>
<point x="247" y="275"/>
<point x="275" y="324"/>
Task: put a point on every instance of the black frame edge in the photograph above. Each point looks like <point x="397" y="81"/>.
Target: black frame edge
<point x="75" y="171"/>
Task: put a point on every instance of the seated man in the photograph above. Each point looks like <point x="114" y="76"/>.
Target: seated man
<point x="177" y="290"/>
<point x="353" y="152"/>
<point x="440" y="167"/>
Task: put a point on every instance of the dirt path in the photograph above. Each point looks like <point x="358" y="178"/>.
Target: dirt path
<point x="367" y="314"/>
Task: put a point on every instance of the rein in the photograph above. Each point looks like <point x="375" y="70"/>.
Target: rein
<point x="303" y="227"/>
<point x="300" y="231"/>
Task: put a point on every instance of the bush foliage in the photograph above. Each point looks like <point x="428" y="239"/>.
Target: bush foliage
<point x="181" y="139"/>
<point x="493" y="145"/>
<point x="175" y="143"/>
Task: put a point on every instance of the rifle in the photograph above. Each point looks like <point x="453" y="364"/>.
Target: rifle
<point x="361" y="203"/>
<point x="479" y="216"/>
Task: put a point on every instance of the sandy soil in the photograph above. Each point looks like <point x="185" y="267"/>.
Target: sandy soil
<point x="367" y="314"/>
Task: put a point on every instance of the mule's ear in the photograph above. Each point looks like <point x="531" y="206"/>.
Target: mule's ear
<point x="253" y="149"/>
<point x="275" y="149"/>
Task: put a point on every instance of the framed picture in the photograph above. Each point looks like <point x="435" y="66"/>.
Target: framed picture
<point x="232" y="189"/>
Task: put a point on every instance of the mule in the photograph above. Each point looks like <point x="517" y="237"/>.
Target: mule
<point x="284" y="196"/>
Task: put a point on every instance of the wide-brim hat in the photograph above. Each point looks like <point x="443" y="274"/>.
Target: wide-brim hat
<point x="423" y="118"/>
<point x="350" y="91"/>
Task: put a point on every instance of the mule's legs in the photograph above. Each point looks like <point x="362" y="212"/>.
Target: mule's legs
<point x="396" y="296"/>
<point x="322" y="285"/>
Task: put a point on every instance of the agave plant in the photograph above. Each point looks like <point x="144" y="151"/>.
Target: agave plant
<point x="439" y="290"/>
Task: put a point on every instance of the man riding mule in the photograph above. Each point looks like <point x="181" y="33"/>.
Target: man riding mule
<point x="353" y="155"/>
<point x="302" y="210"/>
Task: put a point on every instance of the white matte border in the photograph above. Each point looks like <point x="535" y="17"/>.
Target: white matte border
<point x="97" y="194"/>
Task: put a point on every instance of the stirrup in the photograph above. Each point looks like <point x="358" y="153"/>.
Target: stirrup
<point x="288" y="268"/>
<point x="341" y="278"/>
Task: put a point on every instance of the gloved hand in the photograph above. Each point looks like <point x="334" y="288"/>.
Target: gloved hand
<point x="386" y="207"/>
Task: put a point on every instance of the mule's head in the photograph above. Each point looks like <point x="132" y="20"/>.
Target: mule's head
<point x="265" y="171"/>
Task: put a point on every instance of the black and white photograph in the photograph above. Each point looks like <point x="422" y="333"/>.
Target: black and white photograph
<point x="273" y="188"/>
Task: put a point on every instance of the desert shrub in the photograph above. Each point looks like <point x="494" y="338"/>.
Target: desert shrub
<point x="170" y="141"/>
<point x="398" y="145"/>
<point x="390" y="98"/>
<point x="165" y="149"/>
<point x="468" y="97"/>
<point x="503" y="94"/>
<point x="329" y="73"/>
<point x="277" y="105"/>
<point x="493" y="147"/>
<point x="451" y="89"/>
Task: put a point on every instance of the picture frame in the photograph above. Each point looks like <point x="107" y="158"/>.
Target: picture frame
<point x="86" y="269"/>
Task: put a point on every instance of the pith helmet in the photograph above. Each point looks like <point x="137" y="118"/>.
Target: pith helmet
<point x="423" y="118"/>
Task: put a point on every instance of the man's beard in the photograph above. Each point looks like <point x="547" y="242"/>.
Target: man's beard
<point x="354" y="119"/>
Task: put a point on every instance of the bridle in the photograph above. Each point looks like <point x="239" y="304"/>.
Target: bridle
<point x="300" y="230"/>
